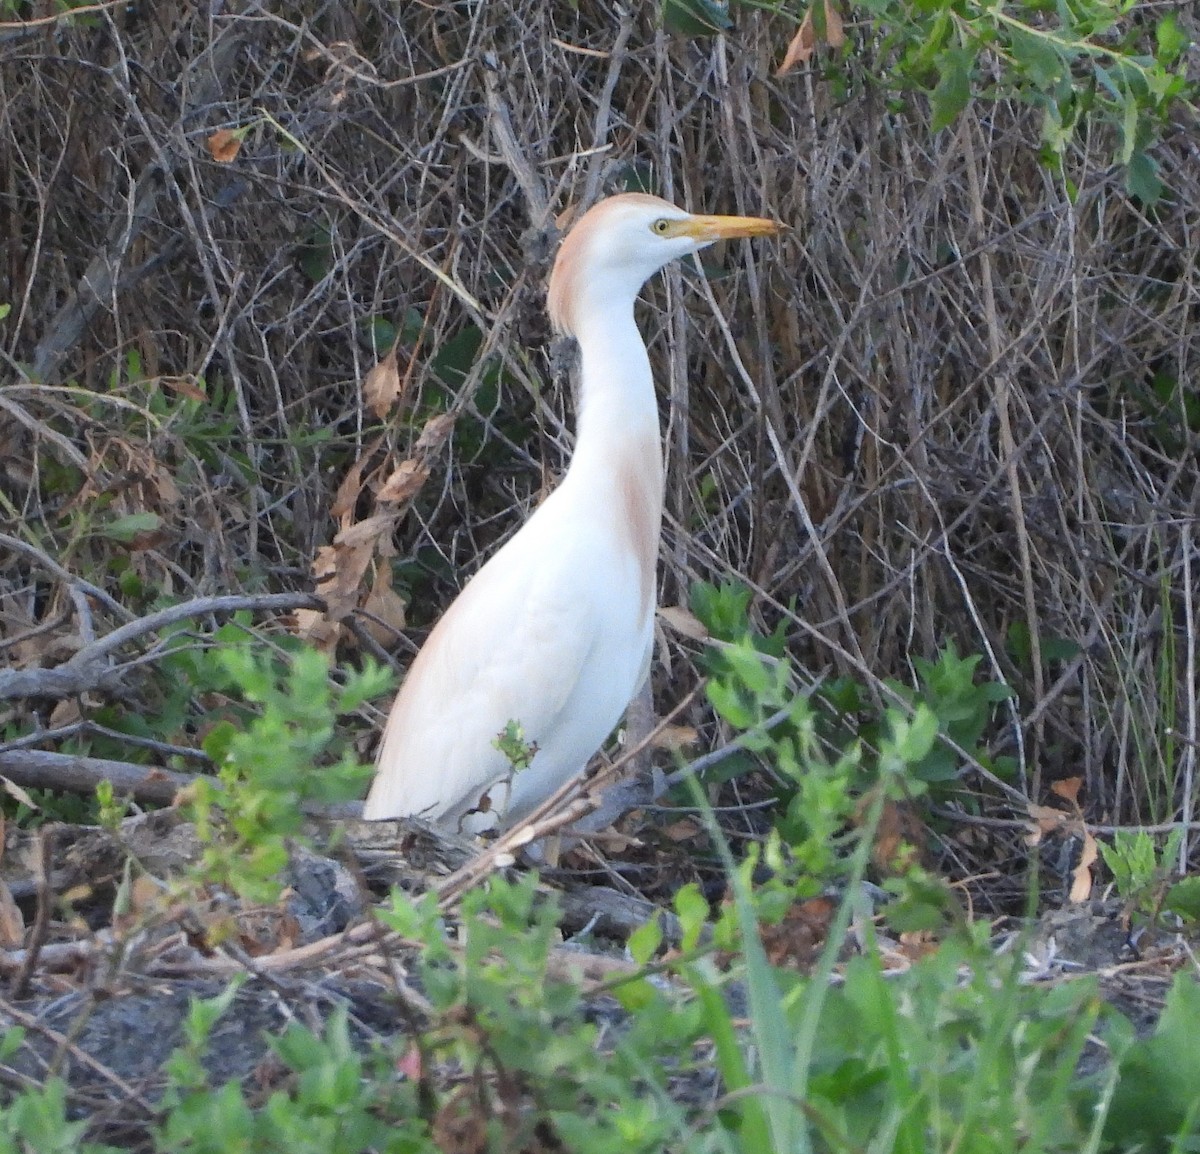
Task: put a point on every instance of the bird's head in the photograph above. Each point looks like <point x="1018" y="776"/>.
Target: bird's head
<point x="619" y="244"/>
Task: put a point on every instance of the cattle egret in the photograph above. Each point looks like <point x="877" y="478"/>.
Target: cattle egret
<point x="555" y="631"/>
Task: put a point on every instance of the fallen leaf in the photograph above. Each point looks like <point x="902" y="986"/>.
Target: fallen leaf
<point x="12" y="922"/>
<point x="1067" y="788"/>
<point x="918" y="944"/>
<point x="164" y="482"/>
<point x="314" y="627"/>
<point x="798" y="938"/>
<point x="1047" y="819"/>
<point x="65" y="712"/>
<point x="676" y="737"/>
<point x="409" y="1064"/>
<point x="365" y="532"/>
<point x="682" y="830"/>
<point x="900" y="838"/>
<point x="382" y="386"/>
<point x="224" y="145"/>
<point x="804" y="43"/>
<point x="1081" y="875"/>
<point x="684" y="621"/>
<point x="15" y="791"/>
<point x="185" y="387"/>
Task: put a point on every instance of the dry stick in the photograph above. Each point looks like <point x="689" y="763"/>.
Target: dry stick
<point x="84" y="670"/>
<point x="567" y="804"/>
<point x="500" y="123"/>
<point x="1190" y="689"/>
<point x="47" y="562"/>
<point x="100" y="281"/>
<point x="41" y="924"/>
<point x="64" y="1043"/>
<point x="39" y="428"/>
<point x="600" y="123"/>
<point x="42" y="769"/>
<point x="795" y="494"/>
<point x="1002" y="386"/>
<point x="478" y="312"/>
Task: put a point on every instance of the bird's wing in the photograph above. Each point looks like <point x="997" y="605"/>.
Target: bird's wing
<point x="510" y="648"/>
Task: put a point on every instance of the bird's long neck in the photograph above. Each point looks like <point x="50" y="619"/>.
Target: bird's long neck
<point x="618" y="457"/>
<point x="616" y="397"/>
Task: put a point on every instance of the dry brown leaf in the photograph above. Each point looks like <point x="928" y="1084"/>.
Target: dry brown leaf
<point x="899" y="838"/>
<point x="404" y="483"/>
<point x="676" y="737"/>
<point x="684" y="829"/>
<point x="385" y="608"/>
<point x="1081" y="875"/>
<point x="918" y="944"/>
<point x="434" y="434"/>
<point x="804" y="43"/>
<point x="349" y="490"/>
<point x="12" y="923"/>
<point x="16" y="792"/>
<point x="164" y="482"/>
<point x="684" y="621"/>
<point x="1067" y="788"/>
<point x="65" y="712"/>
<point x="798" y="938"/>
<point x="185" y="387"/>
<point x="382" y="386"/>
<point x="224" y="145"/>
<point x="365" y="532"/>
<point x="1046" y="820"/>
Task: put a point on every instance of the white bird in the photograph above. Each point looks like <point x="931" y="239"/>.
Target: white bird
<point x="555" y="631"/>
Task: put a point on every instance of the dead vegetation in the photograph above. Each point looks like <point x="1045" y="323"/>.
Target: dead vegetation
<point x="957" y="405"/>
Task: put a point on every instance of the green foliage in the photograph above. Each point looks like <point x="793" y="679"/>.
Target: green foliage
<point x="336" y="1101"/>
<point x="1143" y="875"/>
<point x="696" y="17"/>
<point x="511" y="742"/>
<point x="35" y="1122"/>
<point x="725" y="612"/>
<point x="271" y="768"/>
<point x="1077" y="62"/>
<point x="957" y="1054"/>
<point x="512" y="1026"/>
<point x="962" y="707"/>
<point x="752" y="688"/>
<point x="1155" y="1107"/>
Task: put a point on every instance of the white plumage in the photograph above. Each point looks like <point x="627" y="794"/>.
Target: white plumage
<point x="555" y="631"/>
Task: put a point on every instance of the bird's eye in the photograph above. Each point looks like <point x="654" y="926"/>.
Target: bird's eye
<point x="661" y="225"/>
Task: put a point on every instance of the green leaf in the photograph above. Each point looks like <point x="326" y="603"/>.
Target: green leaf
<point x="696" y="17"/>
<point x="1037" y="57"/>
<point x="1172" y="42"/>
<point x="643" y="943"/>
<point x="953" y="88"/>
<point x="1155" y="1100"/>
<point x="125" y="529"/>
<point x="1183" y="898"/>
<point x="1141" y="178"/>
